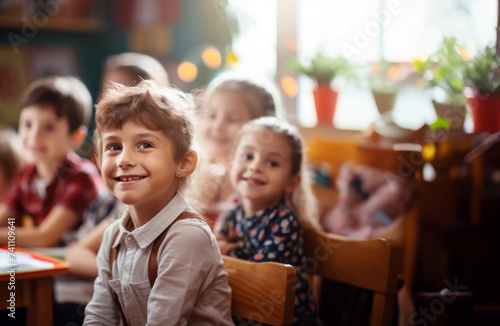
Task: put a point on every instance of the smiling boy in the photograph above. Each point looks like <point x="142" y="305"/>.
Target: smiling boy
<point x="145" y="140"/>
<point x="56" y="186"/>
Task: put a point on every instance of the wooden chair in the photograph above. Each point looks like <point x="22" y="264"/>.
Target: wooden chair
<point x="331" y="154"/>
<point x="368" y="264"/>
<point x="263" y="292"/>
<point x="334" y="152"/>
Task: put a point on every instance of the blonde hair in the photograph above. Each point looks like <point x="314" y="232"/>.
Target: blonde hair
<point x="164" y="109"/>
<point x="10" y="158"/>
<point x="302" y="201"/>
<point x="260" y="97"/>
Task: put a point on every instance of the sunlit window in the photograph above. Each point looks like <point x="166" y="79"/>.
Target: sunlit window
<point x="364" y="31"/>
<point x="255" y="43"/>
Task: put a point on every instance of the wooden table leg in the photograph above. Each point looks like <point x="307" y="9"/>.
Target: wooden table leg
<point x="40" y="313"/>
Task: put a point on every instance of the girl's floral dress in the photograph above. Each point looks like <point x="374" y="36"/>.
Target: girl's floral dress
<point x="273" y="234"/>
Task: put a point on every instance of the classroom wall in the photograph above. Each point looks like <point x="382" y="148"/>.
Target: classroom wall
<point x="185" y="27"/>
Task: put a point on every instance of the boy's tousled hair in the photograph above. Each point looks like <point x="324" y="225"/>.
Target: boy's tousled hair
<point x="302" y="200"/>
<point x="139" y="66"/>
<point x="164" y="109"/>
<point x="66" y="95"/>
<point x="260" y="98"/>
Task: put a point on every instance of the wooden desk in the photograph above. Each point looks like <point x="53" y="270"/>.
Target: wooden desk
<point x="33" y="290"/>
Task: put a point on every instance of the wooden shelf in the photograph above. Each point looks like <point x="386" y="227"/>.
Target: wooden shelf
<point x="57" y="24"/>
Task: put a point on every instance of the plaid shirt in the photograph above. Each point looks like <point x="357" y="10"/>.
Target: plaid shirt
<point x="76" y="185"/>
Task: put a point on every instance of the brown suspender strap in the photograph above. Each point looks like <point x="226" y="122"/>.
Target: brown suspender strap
<point x="153" y="257"/>
<point x="112" y="257"/>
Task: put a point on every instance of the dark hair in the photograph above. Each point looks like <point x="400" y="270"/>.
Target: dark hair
<point x="67" y="96"/>
<point x="139" y="66"/>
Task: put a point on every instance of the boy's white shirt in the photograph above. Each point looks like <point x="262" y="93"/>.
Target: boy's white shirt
<point x="191" y="287"/>
<point x="40" y="187"/>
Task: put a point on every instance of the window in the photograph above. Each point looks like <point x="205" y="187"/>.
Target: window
<point x="255" y="44"/>
<point x="364" y="31"/>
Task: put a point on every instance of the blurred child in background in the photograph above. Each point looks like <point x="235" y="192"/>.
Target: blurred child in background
<point x="56" y="186"/>
<point x="230" y="101"/>
<point x="368" y="201"/>
<point x="131" y="68"/>
<point x="10" y="159"/>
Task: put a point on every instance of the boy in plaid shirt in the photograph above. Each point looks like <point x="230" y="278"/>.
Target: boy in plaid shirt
<point x="57" y="186"/>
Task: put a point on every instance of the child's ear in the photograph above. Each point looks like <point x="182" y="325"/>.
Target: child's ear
<point x="187" y="164"/>
<point x="292" y="184"/>
<point x="78" y="137"/>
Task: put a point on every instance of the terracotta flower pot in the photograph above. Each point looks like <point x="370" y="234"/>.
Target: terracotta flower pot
<point x="485" y="112"/>
<point x="325" y="100"/>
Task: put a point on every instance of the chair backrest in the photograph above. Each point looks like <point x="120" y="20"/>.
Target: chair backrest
<point x="334" y="152"/>
<point x="263" y="292"/>
<point x="371" y="264"/>
<point x="485" y="163"/>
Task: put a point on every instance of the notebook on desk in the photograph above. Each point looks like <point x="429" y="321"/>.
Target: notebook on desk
<point x="26" y="263"/>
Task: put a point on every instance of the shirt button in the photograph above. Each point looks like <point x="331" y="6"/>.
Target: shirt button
<point x="127" y="268"/>
<point x="129" y="238"/>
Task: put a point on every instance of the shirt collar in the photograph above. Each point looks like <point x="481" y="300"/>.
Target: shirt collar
<point x="122" y="229"/>
<point x="148" y="232"/>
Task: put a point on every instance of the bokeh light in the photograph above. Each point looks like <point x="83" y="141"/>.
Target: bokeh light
<point x="289" y="86"/>
<point x="232" y="59"/>
<point x="211" y="57"/>
<point x="429" y="151"/>
<point x="187" y="71"/>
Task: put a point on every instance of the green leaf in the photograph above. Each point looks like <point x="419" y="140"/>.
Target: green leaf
<point x="445" y="68"/>
<point x="323" y="69"/>
<point x="440" y="123"/>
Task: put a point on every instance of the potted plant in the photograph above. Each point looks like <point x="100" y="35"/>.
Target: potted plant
<point x="323" y="70"/>
<point x="482" y="75"/>
<point x="384" y="86"/>
<point x="444" y="72"/>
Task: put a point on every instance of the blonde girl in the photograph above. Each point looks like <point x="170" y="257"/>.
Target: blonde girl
<point x="229" y="101"/>
<point x="269" y="174"/>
